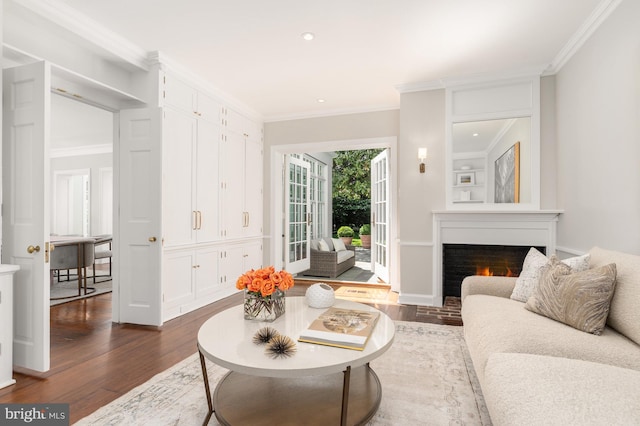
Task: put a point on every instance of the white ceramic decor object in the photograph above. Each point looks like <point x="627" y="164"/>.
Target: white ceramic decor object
<point x="320" y="295"/>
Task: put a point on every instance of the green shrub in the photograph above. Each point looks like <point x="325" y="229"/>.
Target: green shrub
<point x="365" y="229"/>
<point x="345" y="231"/>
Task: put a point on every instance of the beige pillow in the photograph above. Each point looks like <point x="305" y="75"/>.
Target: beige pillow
<point x="579" y="299"/>
<point x="532" y="266"/>
<point x="338" y="244"/>
<point x="322" y="244"/>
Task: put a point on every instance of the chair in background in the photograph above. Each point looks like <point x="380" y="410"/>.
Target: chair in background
<point x="102" y="249"/>
<point x="73" y="253"/>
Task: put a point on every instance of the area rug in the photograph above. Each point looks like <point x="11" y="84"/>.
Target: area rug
<point x="362" y="294"/>
<point x="68" y="290"/>
<point x="427" y="378"/>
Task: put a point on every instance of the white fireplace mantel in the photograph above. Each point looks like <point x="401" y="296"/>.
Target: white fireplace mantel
<point x="509" y="227"/>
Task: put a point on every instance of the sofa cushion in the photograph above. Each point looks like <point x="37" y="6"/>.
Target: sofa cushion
<point x="579" y="299"/>
<point x="315" y="244"/>
<point x="624" y="314"/>
<point x="344" y="255"/>
<point x="524" y="389"/>
<point x="532" y="270"/>
<point x="323" y="246"/>
<point x="338" y="244"/>
<point x="497" y="325"/>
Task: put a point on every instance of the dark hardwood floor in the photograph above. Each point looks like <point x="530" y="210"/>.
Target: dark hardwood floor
<point x="94" y="361"/>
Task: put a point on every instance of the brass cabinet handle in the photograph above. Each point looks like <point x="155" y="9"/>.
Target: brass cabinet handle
<point x="152" y="239"/>
<point x="32" y="249"/>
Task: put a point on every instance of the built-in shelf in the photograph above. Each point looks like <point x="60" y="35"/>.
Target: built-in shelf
<point x="468" y="201"/>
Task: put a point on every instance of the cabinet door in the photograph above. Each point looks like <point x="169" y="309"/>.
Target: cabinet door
<point x="178" y="206"/>
<point x="233" y="169"/>
<point x="253" y="189"/>
<point x="209" y="108"/>
<point x="233" y="121"/>
<point x="207" y="283"/>
<point x="252" y="256"/>
<point x="231" y="266"/>
<point x="178" y="282"/>
<point x="207" y="182"/>
<point x="178" y="94"/>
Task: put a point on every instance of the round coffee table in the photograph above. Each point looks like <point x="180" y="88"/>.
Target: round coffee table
<point x="317" y="385"/>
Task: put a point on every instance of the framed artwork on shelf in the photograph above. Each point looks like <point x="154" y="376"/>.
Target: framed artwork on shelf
<point x="507" y="176"/>
<point x="466" y="179"/>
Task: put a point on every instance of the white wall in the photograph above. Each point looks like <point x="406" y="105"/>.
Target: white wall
<point x="422" y="124"/>
<point x="598" y="145"/>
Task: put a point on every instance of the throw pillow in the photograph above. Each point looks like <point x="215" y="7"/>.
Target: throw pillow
<point x="529" y="277"/>
<point x="338" y="244"/>
<point x="579" y="299"/>
<point x="322" y="244"/>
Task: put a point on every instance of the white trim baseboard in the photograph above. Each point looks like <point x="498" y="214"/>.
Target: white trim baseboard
<point x="418" y="299"/>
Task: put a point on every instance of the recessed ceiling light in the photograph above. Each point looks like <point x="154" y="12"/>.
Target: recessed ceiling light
<point x="308" y="36"/>
<point x="476" y="134"/>
<point x="321" y="100"/>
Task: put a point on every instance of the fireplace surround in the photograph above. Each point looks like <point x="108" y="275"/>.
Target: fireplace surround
<point x="525" y="228"/>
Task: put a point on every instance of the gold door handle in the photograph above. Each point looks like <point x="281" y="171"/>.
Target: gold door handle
<point x="152" y="239"/>
<point x="32" y="249"/>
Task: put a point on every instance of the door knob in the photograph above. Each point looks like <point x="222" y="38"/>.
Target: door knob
<point x="152" y="239"/>
<point x="32" y="249"/>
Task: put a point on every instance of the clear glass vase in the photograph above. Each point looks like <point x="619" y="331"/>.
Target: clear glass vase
<point x="260" y="308"/>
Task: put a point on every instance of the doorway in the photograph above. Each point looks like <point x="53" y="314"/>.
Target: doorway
<point x="81" y="198"/>
<point x="280" y="207"/>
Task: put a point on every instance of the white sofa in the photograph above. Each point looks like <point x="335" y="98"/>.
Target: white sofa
<point x="534" y="370"/>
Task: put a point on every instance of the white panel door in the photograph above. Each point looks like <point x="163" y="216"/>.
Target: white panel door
<point x="380" y="212"/>
<point x="26" y="217"/>
<point x="296" y="227"/>
<point x="139" y="248"/>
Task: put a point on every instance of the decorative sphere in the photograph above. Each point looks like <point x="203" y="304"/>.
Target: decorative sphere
<point x="320" y="295"/>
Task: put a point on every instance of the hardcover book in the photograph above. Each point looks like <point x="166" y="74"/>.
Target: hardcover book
<point x="343" y="328"/>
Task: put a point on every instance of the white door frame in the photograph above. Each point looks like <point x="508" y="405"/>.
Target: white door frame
<point x="277" y="153"/>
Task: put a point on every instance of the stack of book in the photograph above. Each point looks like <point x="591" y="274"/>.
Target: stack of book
<point x="343" y="328"/>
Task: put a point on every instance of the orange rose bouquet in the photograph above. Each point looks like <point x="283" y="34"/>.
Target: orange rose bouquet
<point x="264" y="292"/>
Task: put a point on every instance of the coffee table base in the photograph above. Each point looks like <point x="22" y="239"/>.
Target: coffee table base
<point x="241" y="399"/>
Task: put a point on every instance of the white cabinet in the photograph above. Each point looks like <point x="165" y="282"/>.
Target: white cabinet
<point x="241" y="182"/>
<point x="183" y="96"/>
<point x="469" y="179"/>
<point x="6" y="319"/>
<point x="190" y="280"/>
<point x="211" y="197"/>
<point x="190" y="179"/>
<point x="238" y="259"/>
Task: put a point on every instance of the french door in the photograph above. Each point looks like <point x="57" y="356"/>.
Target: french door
<point x="380" y="215"/>
<point x="25" y="222"/>
<point x="297" y="215"/>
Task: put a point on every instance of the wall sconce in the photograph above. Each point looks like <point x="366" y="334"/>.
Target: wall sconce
<point x="422" y="155"/>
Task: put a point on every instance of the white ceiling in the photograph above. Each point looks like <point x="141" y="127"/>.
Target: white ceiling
<point x="252" y="49"/>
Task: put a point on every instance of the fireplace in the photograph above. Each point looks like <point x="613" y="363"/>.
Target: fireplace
<point x="462" y="260"/>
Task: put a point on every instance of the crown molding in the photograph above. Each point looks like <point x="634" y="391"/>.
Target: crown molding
<point x="78" y="151"/>
<point x="88" y="29"/>
<point x="588" y="27"/>
<point x="328" y="113"/>
<point x="472" y="79"/>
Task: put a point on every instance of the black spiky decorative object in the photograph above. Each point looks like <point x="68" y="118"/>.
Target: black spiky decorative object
<point x="280" y="347"/>
<point x="264" y="335"/>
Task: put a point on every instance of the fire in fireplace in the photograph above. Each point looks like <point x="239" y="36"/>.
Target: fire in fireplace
<point x="461" y="260"/>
